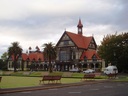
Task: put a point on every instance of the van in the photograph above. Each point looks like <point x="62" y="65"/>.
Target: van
<point x="111" y="70"/>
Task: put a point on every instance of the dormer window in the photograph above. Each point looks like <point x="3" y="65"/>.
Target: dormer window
<point x="85" y="59"/>
<point x="94" y="58"/>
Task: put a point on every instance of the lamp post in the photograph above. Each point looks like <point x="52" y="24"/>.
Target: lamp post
<point x="94" y="62"/>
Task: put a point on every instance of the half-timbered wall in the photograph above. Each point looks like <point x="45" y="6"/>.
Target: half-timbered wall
<point x="65" y="41"/>
<point x="92" y="45"/>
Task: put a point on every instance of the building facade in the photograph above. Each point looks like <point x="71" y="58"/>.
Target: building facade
<point x="73" y="51"/>
<point x="32" y="60"/>
<point x="77" y="51"/>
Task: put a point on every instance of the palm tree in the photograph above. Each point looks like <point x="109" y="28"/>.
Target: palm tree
<point x="49" y="53"/>
<point x="16" y="51"/>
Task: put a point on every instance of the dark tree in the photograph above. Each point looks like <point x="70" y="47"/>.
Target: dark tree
<point x="49" y="54"/>
<point x="114" y="49"/>
<point x="15" y="51"/>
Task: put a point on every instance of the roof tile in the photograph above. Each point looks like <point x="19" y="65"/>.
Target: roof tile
<point x="79" y="40"/>
<point x="89" y="54"/>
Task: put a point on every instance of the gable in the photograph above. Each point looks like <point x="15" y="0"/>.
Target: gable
<point x="65" y="37"/>
<point x="92" y="44"/>
<point x="36" y="56"/>
<point x="65" y="41"/>
<point x="90" y="54"/>
<point x="79" y="40"/>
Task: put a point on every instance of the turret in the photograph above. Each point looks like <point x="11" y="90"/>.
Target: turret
<point x="80" y="26"/>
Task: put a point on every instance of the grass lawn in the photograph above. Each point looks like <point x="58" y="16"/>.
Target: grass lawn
<point x="16" y="81"/>
<point x="27" y="79"/>
<point x="122" y="79"/>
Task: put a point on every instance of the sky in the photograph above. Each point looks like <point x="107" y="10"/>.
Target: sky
<point x="35" y="22"/>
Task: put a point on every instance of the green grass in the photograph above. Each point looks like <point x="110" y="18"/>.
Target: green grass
<point x="56" y="73"/>
<point x="12" y="79"/>
<point x="16" y="81"/>
<point x="78" y="75"/>
<point x="36" y="74"/>
<point x="122" y="79"/>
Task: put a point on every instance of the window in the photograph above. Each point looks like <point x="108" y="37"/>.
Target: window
<point x="85" y="58"/>
<point x="74" y="55"/>
<point x="66" y="42"/>
<point x="94" y="58"/>
<point x="63" y="56"/>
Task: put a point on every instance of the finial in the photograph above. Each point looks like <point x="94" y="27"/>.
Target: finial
<point x="37" y="48"/>
<point x="30" y="48"/>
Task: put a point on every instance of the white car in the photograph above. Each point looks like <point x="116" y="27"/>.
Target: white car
<point x="74" y="70"/>
<point x="89" y="71"/>
<point x="111" y="70"/>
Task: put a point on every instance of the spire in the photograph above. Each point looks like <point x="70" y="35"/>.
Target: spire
<point x="30" y="49"/>
<point x="37" y="48"/>
<point x="80" y="26"/>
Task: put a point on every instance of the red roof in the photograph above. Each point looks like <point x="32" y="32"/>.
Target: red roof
<point x="36" y="56"/>
<point x="89" y="54"/>
<point x="79" y="40"/>
<point x="32" y="56"/>
<point x="24" y="56"/>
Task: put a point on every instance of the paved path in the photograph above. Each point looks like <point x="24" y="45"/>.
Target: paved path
<point x="47" y="86"/>
<point x="89" y="89"/>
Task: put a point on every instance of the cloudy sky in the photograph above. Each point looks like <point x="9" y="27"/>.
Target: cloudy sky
<point x="35" y="22"/>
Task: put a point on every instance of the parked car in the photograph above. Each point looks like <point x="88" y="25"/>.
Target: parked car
<point x="75" y="70"/>
<point x="89" y="71"/>
<point x="111" y="70"/>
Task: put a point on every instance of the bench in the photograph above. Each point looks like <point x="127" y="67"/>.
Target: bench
<point x="53" y="79"/>
<point x="88" y="76"/>
<point x="110" y="76"/>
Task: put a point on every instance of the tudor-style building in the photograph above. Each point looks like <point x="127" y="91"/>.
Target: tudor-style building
<point x="32" y="60"/>
<point x="73" y="51"/>
<point x="77" y="51"/>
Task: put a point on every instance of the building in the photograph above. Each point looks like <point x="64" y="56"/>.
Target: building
<point x="73" y="51"/>
<point x="77" y="51"/>
<point x="32" y="60"/>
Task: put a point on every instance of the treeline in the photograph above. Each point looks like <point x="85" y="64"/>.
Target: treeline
<point x="114" y="50"/>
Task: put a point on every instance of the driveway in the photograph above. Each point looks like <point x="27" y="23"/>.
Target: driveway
<point x="94" y="89"/>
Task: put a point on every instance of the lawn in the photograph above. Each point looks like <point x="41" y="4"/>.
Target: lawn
<point x="27" y="79"/>
<point x="16" y="81"/>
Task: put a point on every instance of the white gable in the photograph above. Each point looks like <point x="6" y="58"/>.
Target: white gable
<point x="65" y="41"/>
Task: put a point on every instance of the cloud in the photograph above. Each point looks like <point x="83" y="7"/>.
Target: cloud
<point x="34" y="22"/>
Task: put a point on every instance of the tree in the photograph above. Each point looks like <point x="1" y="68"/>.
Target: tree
<point x="114" y="49"/>
<point x="15" y="51"/>
<point x="3" y="61"/>
<point x="49" y="53"/>
<point x="4" y="56"/>
<point x="123" y="55"/>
